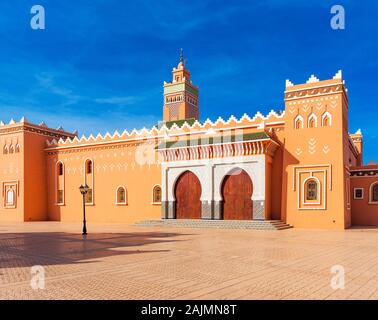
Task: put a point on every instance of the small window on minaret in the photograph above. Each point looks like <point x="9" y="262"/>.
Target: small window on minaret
<point x="177" y="78"/>
<point x="298" y="124"/>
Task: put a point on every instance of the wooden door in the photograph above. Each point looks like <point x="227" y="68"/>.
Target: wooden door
<point x="188" y="194"/>
<point x="237" y="192"/>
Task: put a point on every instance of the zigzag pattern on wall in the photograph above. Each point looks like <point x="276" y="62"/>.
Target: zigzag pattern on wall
<point x="258" y="119"/>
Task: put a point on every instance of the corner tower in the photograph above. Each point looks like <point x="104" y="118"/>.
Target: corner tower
<point x="318" y="152"/>
<point x="180" y="95"/>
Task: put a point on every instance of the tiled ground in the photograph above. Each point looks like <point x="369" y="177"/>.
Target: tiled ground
<point x="126" y="262"/>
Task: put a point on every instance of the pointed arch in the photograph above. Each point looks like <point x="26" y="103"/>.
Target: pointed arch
<point x="18" y="148"/>
<point x="11" y="149"/>
<point x="326" y="119"/>
<point x="298" y="122"/>
<point x="5" y="149"/>
<point x="312" y="121"/>
<point x="10" y="198"/>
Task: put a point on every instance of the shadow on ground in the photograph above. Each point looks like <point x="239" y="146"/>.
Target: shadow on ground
<point x="52" y="248"/>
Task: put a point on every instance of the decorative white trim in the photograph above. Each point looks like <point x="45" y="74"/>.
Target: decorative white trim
<point x="14" y="186"/>
<point x="310" y="117"/>
<point x="12" y="204"/>
<point x="304" y="201"/>
<point x="329" y="166"/>
<point x="159" y="133"/>
<point x="317" y="95"/>
<point x="298" y="117"/>
<point x="288" y="83"/>
<point x="327" y="175"/>
<point x="211" y="172"/>
<point x="312" y="79"/>
<point x="327" y="114"/>
<point x="338" y="75"/>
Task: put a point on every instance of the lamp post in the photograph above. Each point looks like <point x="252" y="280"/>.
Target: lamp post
<point x="84" y="191"/>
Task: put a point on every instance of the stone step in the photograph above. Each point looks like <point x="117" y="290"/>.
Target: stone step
<point x="220" y="224"/>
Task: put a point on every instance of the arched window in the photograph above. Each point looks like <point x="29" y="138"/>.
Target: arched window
<point x="156" y="194"/>
<point x="17" y="148"/>
<point x="10" y="197"/>
<point x="311" y="190"/>
<point x="60" y="168"/>
<point x="298" y="122"/>
<point x="59" y="183"/>
<point x="5" y="150"/>
<point x="312" y="121"/>
<point x="11" y="149"/>
<point x="88" y="180"/>
<point x="121" y="195"/>
<point x="374" y="192"/>
<point x="88" y="167"/>
<point x="326" y="119"/>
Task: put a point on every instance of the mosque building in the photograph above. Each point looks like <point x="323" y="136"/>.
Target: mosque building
<point x="300" y="166"/>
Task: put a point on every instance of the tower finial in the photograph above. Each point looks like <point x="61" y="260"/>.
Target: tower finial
<point x="181" y="56"/>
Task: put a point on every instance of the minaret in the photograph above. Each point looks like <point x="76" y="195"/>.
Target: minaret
<point x="180" y="95"/>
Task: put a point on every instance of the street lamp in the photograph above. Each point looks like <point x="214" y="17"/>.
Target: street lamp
<point x="84" y="190"/>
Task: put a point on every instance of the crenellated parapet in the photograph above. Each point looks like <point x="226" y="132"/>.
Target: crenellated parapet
<point x="314" y="88"/>
<point x="258" y="121"/>
<point x="23" y="124"/>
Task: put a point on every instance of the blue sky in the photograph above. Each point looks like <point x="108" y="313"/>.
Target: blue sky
<point x="100" y="64"/>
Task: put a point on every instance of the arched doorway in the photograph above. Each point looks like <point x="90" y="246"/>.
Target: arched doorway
<point x="237" y="192"/>
<point x="188" y="194"/>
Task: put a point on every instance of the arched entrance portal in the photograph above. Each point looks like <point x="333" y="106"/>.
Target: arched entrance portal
<point x="237" y="192"/>
<point x="188" y="194"/>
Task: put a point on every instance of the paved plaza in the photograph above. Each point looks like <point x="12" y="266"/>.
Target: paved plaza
<point x="129" y="262"/>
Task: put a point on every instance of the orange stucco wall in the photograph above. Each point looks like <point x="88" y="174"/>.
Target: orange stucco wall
<point x="12" y="172"/>
<point x="113" y="166"/>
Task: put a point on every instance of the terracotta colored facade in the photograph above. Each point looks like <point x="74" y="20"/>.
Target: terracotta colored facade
<point x="301" y="165"/>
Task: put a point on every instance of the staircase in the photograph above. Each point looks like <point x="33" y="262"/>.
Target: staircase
<point x="219" y="224"/>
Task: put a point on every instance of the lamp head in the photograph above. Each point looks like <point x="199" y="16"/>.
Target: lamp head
<point x="83" y="189"/>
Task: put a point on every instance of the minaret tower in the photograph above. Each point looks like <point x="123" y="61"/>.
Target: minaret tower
<point x="180" y="95"/>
